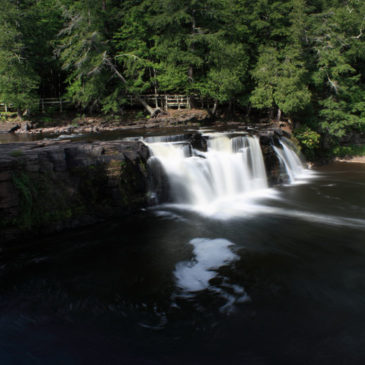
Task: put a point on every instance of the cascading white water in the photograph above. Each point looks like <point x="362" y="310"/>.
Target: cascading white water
<point x="290" y="160"/>
<point x="230" y="167"/>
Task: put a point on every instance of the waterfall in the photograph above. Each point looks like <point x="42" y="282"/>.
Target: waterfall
<point x="230" y="167"/>
<point x="290" y="160"/>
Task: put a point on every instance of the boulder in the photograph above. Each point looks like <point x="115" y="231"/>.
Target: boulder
<point x="198" y="142"/>
<point x="7" y="127"/>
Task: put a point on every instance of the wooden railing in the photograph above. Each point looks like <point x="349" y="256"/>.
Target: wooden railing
<point x="165" y="101"/>
<point x="42" y="104"/>
<point x="4" y="107"/>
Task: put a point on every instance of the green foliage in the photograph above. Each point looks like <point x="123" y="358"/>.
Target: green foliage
<point x="139" y="115"/>
<point x="336" y="36"/>
<point x="18" y="81"/>
<point x="297" y="59"/>
<point x="309" y="141"/>
<point x="348" y="151"/>
<point x="280" y="73"/>
<point x="308" y="138"/>
<point x="44" y="119"/>
<point x="16" y="153"/>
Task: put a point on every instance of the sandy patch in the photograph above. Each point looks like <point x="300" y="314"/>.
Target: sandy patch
<point x="354" y="159"/>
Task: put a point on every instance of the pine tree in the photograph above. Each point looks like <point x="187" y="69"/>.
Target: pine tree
<point x="280" y="72"/>
<point x="337" y="39"/>
<point x="18" y="81"/>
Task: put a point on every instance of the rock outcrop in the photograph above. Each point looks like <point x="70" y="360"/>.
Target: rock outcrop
<point x="48" y="187"/>
<point x="269" y="139"/>
<point x="9" y="127"/>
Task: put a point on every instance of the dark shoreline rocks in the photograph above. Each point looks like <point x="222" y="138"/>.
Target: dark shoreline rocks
<point x="49" y="187"/>
<point x="183" y="118"/>
<point x="9" y="127"/>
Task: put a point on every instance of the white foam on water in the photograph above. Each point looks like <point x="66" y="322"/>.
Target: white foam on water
<point x="168" y="215"/>
<point x="210" y="255"/>
<point x="312" y="217"/>
<point x="249" y="207"/>
<point x="64" y="136"/>
<point x="196" y="275"/>
<point x="227" y="207"/>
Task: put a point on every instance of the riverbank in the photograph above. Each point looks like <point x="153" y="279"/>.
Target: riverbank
<point x="71" y="124"/>
<point x="352" y="159"/>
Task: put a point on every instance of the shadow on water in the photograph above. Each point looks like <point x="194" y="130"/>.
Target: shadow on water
<point x="285" y="286"/>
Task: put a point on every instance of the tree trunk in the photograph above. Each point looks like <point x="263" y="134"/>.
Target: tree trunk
<point x="155" y="87"/>
<point x="152" y="111"/>
<point x="214" y="109"/>
<point x="19" y="112"/>
<point x="191" y="74"/>
<point x="278" y="116"/>
<point x="248" y="112"/>
<point x="230" y="109"/>
<point x="193" y="31"/>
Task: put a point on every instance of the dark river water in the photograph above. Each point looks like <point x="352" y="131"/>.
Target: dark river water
<point x="282" y="284"/>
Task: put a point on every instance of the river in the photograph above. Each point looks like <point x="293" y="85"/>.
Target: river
<point x="273" y="277"/>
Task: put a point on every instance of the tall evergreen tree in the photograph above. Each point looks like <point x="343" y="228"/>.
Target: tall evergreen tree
<point x="18" y="81"/>
<point x="280" y="71"/>
<point x="337" y="37"/>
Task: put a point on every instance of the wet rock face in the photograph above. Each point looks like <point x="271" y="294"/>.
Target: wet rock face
<point x="272" y="165"/>
<point x="159" y="183"/>
<point x="269" y="139"/>
<point x="198" y="142"/>
<point x="47" y="187"/>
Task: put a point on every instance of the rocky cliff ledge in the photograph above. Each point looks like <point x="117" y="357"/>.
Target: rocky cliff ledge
<point x="47" y="187"/>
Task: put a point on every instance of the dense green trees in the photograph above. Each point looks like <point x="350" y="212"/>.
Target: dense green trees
<point x="18" y="80"/>
<point x="280" y="72"/>
<point x="297" y="59"/>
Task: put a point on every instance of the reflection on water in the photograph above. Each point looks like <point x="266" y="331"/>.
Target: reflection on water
<point x="13" y="138"/>
<point x="282" y="286"/>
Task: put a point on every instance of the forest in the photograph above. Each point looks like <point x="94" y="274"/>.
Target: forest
<point x="302" y="60"/>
